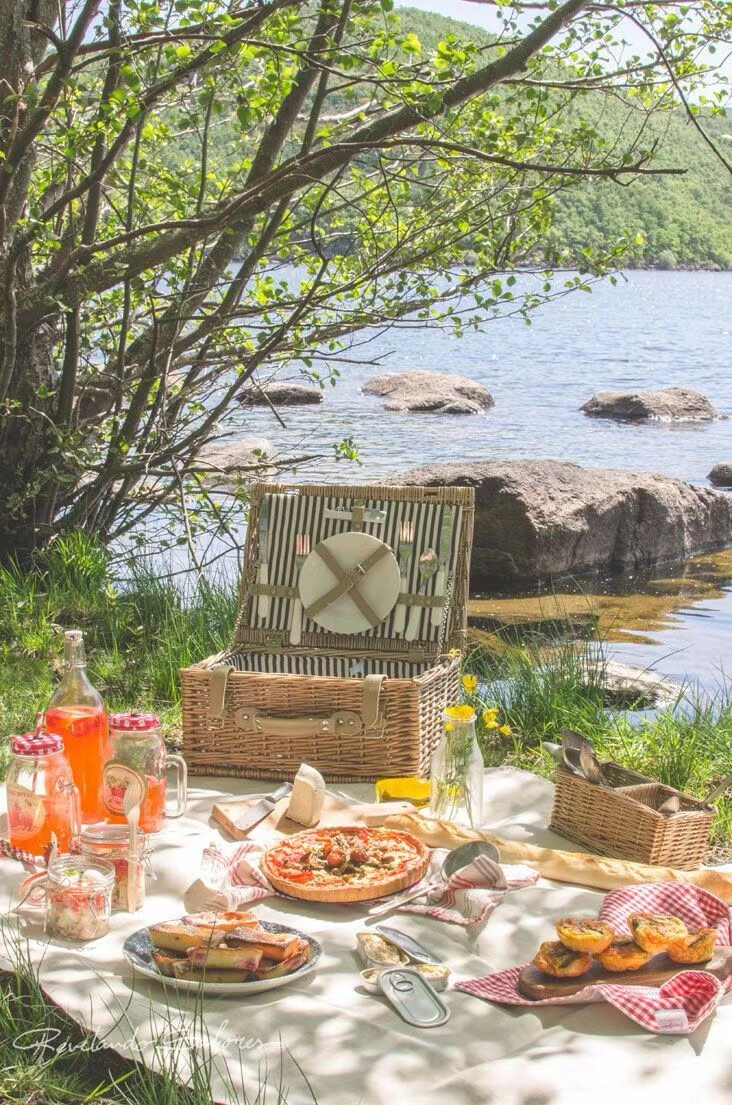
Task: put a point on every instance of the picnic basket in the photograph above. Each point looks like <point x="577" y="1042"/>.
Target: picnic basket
<point x="356" y="705"/>
<point x="622" y="819"/>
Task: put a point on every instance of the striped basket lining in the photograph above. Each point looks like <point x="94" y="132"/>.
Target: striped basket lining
<point x="291" y="514"/>
<point x="341" y="667"/>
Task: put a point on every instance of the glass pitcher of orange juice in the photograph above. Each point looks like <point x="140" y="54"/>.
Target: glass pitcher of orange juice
<point x="135" y="755"/>
<point x="76" y="714"/>
<point x="42" y="798"/>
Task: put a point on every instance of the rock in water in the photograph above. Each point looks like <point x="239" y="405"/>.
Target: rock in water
<point x="666" y="405"/>
<point x="282" y="394"/>
<point x="221" y="463"/>
<point x="430" y="393"/>
<point x="539" y="519"/>
<point x="721" y="474"/>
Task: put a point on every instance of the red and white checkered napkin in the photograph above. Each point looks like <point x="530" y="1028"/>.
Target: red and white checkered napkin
<point x="679" y="1005"/>
<point x="465" y="899"/>
<point x="471" y="895"/>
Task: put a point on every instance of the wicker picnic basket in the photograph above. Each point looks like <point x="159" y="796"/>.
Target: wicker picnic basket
<point x="357" y="705"/>
<point x="622" y="819"/>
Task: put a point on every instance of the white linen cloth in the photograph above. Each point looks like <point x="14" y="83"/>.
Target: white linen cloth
<point x="353" y="1048"/>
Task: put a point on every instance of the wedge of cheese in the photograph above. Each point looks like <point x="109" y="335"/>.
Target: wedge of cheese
<point x="308" y="795"/>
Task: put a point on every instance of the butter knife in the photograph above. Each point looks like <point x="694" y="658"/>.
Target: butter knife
<point x="445" y="551"/>
<point x="408" y="944"/>
<point x="260" y="809"/>
<point x="263" y="568"/>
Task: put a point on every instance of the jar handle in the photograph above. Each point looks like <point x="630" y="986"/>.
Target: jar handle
<point x="181" y="784"/>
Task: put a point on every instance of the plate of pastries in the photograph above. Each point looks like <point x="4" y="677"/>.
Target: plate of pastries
<point x="222" y="953"/>
<point x="652" y="948"/>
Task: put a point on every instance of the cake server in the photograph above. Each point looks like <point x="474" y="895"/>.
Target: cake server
<point x="260" y="809"/>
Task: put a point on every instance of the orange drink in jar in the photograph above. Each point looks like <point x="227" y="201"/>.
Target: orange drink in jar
<point x="76" y="714"/>
<point x="42" y="799"/>
<point x="135" y="756"/>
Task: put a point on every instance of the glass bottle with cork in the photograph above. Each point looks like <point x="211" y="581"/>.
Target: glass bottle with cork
<point x="76" y="713"/>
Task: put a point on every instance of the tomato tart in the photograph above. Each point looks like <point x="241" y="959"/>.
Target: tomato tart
<point x="348" y="864"/>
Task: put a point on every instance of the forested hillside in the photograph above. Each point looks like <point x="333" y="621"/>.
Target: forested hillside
<point x="683" y="221"/>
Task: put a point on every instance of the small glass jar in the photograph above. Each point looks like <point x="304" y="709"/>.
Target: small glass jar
<point x="78" y="893"/>
<point x="456" y="780"/>
<point x="135" y="756"/>
<point x="42" y="798"/>
<point x="112" y="843"/>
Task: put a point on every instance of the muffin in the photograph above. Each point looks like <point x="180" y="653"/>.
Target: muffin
<point x="585" y="935"/>
<point x="698" y="947"/>
<point x="554" y="959"/>
<point x="624" y="955"/>
<point x="655" y="931"/>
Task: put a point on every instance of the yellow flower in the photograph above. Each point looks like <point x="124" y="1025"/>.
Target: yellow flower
<point x="506" y="731"/>
<point x="490" y="715"/>
<point x="470" y="682"/>
<point x="492" y="724"/>
<point x="460" y="713"/>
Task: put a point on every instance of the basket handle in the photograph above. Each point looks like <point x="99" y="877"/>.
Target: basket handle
<point x="338" y="723"/>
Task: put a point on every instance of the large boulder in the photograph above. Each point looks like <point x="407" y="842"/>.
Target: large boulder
<point x="539" y="519"/>
<point x="666" y="405"/>
<point x="221" y="463"/>
<point x="430" y="393"/>
<point x="282" y="393"/>
<point x="721" y="474"/>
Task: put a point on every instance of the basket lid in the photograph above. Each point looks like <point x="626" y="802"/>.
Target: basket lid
<point x="356" y="570"/>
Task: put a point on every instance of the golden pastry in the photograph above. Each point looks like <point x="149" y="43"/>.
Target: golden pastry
<point x="655" y="931"/>
<point x="585" y="934"/>
<point x="554" y="959"/>
<point x="697" y="948"/>
<point x="624" y="955"/>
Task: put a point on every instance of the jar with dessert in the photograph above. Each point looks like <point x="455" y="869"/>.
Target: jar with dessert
<point x="112" y="843"/>
<point x="42" y="799"/>
<point x="135" y="756"/>
<point x="78" y="894"/>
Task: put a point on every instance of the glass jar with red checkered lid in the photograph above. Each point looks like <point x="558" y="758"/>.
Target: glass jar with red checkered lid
<point x="42" y="798"/>
<point x="136" y="757"/>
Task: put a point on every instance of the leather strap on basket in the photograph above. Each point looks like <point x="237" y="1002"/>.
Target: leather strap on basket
<point x="348" y="582"/>
<point x="217" y="696"/>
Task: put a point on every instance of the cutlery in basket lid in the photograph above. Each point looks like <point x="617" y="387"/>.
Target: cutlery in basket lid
<point x="329" y="677"/>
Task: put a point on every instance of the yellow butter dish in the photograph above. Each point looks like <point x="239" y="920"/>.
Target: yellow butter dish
<point x="407" y="788"/>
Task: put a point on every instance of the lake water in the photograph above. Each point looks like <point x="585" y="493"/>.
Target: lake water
<point x="652" y="329"/>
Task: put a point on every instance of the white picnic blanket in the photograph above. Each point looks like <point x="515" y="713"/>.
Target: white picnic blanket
<point x="352" y="1047"/>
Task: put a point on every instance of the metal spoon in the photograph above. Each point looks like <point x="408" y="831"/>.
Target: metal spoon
<point x="454" y="861"/>
<point x="429" y="563"/>
<point x="673" y="804"/>
<point x="580" y="757"/>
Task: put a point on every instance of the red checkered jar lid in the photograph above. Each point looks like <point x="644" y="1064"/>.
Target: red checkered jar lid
<point x="37" y="744"/>
<point x="134" y="723"/>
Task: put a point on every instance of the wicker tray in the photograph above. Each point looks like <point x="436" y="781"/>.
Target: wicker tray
<point x="357" y="706"/>
<point x="623" y="821"/>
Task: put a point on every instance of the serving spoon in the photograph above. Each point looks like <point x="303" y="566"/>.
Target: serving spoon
<point x="454" y="861"/>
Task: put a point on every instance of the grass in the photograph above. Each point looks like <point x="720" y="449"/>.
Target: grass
<point x="46" y="1058"/>
<point x="538" y="691"/>
<point x="138" y="634"/>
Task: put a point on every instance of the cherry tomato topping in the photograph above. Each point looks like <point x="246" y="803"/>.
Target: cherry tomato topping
<point x="335" y="857"/>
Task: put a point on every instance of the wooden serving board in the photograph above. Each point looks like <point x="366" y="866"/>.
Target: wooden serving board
<point x="533" y="983"/>
<point x="276" y="825"/>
